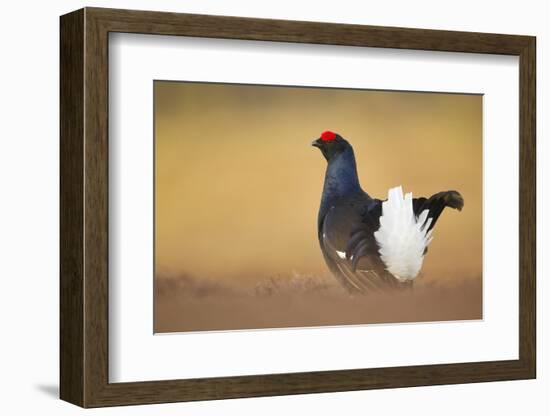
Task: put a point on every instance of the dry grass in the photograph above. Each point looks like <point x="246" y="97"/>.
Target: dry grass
<point x="183" y="303"/>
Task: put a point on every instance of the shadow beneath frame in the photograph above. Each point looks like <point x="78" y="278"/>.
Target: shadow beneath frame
<point x="51" y="390"/>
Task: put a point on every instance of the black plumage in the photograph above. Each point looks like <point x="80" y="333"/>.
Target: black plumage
<point x="349" y="218"/>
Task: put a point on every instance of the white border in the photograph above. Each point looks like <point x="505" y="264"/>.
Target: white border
<point x="135" y="354"/>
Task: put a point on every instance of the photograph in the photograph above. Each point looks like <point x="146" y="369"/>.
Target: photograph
<point x="296" y="206"/>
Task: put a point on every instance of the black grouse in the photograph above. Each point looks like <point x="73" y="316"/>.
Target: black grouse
<point x="370" y="244"/>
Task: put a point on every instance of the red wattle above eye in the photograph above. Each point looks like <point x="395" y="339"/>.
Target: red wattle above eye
<point x="327" y="136"/>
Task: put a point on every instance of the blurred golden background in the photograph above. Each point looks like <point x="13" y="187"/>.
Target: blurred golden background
<point x="238" y="184"/>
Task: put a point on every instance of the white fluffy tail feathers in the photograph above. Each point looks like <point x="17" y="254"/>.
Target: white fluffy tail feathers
<point x="402" y="237"/>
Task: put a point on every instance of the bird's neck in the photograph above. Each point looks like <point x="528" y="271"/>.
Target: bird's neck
<point x="341" y="176"/>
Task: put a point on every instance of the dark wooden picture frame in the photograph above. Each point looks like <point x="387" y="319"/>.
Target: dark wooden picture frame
<point x="84" y="207"/>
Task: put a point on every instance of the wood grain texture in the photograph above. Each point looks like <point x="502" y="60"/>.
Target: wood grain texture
<point x="96" y="219"/>
<point x="527" y="208"/>
<point x="72" y="215"/>
<point x="84" y="207"/>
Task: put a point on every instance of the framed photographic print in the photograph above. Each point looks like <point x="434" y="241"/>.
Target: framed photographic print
<point x="255" y="207"/>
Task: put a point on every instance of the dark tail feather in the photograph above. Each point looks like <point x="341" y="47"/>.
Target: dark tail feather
<point x="437" y="203"/>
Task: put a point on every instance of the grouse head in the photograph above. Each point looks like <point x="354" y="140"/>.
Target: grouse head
<point x="331" y="144"/>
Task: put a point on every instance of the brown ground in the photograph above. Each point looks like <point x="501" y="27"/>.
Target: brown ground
<point x="187" y="304"/>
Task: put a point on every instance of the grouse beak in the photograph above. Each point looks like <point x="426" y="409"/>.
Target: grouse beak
<point x="316" y="143"/>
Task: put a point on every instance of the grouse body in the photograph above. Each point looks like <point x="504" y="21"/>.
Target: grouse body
<point x="370" y="244"/>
